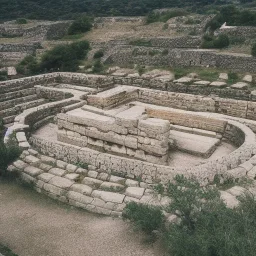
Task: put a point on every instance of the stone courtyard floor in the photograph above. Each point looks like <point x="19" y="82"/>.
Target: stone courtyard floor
<point x="33" y="224"/>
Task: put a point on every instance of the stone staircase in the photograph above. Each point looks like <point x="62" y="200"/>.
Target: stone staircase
<point x="16" y="100"/>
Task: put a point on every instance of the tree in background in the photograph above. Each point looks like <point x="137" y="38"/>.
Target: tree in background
<point x="80" y="25"/>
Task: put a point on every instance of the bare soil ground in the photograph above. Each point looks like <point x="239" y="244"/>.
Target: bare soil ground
<point x="33" y="224"/>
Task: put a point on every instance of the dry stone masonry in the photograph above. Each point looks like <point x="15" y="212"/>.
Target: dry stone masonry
<point x="115" y="135"/>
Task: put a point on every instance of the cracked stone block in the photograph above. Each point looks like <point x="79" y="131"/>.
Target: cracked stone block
<point x="136" y="192"/>
<point x="109" y="196"/>
<point x="79" y="197"/>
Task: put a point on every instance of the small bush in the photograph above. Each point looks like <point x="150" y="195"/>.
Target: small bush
<point x="220" y="42"/>
<point x="165" y="52"/>
<point x="233" y="77"/>
<point x="147" y="218"/>
<point x="253" y="51"/>
<point x="99" y="54"/>
<point x="8" y="153"/>
<point x="3" y="75"/>
<point x="165" y="16"/>
<point x="28" y="66"/>
<point x="81" y="25"/>
<point x="97" y="67"/>
<point x="21" y="21"/>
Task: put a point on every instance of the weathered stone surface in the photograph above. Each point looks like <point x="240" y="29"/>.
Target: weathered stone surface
<point x="108" y="196"/>
<point x="61" y="182"/>
<point x="20" y="164"/>
<point x="131" y="183"/>
<point x="135" y="192"/>
<point x="252" y="173"/>
<point x="58" y="171"/>
<point x="223" y="76"/>
<point x="46" y="177"/>
<point x="54" y="190"/>
<point x="32" y="160"/>
<point x="247" y="78"/>
<point x="72" y="176"/>
<point x="32" y="171"/>
<point x="79" y="197"/>
<point x="117" y="179"/>
<point x="92" y="182"/>
<point x="229" y="199"/>
<point x="71" y="168"/>
<point x="184" y="80"/>
<point x="48" y="160"/>
<point x="218" y="84"/>
<point x="236" y="191"/>
<point x="61" y="164"/>
<point x="92" y="174"/>
<point x="21" y="137"/>
<point x="240" y="86"/>
<point x="81" y="188"/>
<point x="110" y="186"/>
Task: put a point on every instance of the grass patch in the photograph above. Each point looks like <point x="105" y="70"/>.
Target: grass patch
<point x="6" y="251"/>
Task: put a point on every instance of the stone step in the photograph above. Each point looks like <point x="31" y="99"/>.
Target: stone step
<point x="21" y="107"/>
<point x="194" y="144"/>
<point x="76" y="87"/>
<point x="17" y="94"/>
<point x="12" y="103"/>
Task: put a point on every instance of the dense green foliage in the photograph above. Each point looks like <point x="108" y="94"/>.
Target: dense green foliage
<point x="219" y="42"/>
<point x="60" y="58"/>
<point x="80" y="25"/>
<point x="99" y="54"/>
<point x="163" y="17"/>
<point x="147" y="218"/>
<point x="21" y="21"/>
<point x="8" y="153"/>
<point x="3" y="75"/>
<point x="69" y="9"/>
<point x="205" y="226"/>
<point x="234" y="16"/>
<point x="28" y="66"/>
<point x="253" y="52"/>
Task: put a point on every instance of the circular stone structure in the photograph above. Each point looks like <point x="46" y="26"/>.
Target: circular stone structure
<point x="98" y="142"/>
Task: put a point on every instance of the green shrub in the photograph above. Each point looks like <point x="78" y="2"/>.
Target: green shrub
<point x="99" y="54"/>
<point x="28" y="66"/>
<point x="97" y="67"/>
<point x="80" y="25"/>
<point x="64" y="57"/>
<point x="21" y="21"/>
<point x="253" y="51"/>
<point x="219" y="42"/>
<point x="165" y="16"/>
<point x="3" y="75"/>
<point x="8" y="153"/>
<point x="147" y="218"/>
<point x="233" y="77"/>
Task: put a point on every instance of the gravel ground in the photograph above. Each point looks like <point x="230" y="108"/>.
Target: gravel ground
<point x="35" y="225"/>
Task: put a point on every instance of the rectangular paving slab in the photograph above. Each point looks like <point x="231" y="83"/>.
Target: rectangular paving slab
<point x="194" y="144"/>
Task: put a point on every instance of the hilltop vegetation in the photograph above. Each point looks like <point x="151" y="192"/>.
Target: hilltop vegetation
<point x="68" y="9"/>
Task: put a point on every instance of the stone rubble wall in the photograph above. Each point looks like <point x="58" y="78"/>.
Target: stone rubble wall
<point x="246" y="32"/>
<point x="181" y="58"/>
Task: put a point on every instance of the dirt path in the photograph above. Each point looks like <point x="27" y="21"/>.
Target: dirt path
<point x="34" y="225"/>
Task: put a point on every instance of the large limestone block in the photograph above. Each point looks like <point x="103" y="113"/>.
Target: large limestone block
<point x="240" y="86"/>
<point x="54" y="190"/>
<point x="92" y="182"/>
<point x="79" y="197"/>
<point x="135" y="192"/>
<point x="184" y="80"/>
<point x="21" y="137"/>
<point x="57" y="171"/>
<point x="218" y="84"/>
<point x="61" y="182"/>
<point x="48" y="160"/>
<point x="109" y="196"/>
<point x="32" y="160"/>
<point x="32" y="171"/>
<point x="229" y="199"/>
<point x="110" y="186"/>
<point x="236" y="191"/>
<point x="82" y="189"/>
<point x="20" y="164"/>
<point x="46" y="177"/>
<point x="154" y="126"/>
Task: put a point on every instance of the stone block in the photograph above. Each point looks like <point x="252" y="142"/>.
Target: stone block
<point x="92" y="174"/>
<point x="72" y="176"/>
<point x="83" y="199"/>
<point x="71" y="168"/>
<point x="131" y="183"/>
<point x="229" y="199"/>
<point x="61" y="164"/>
<point x="48" y="160"/>
<point x="82" y="189"/>
<point x="46" y="177"/>
<point x="108" y="196"/>
<point x="117" y="179"/>
<point x="54" y="190"/>
<point x="32" y="171"/>
<point x="32" y="160"/>
<point x="57" y="171"/>
<point x="110" y="186"/>
<point x="61" y="182"/>
<point x="135" y="192"/>
<point x="92" y="182"/>
<point x="20" y="164"/>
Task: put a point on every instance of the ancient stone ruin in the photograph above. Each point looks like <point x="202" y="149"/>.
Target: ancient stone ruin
<point x="98" y="142"/>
